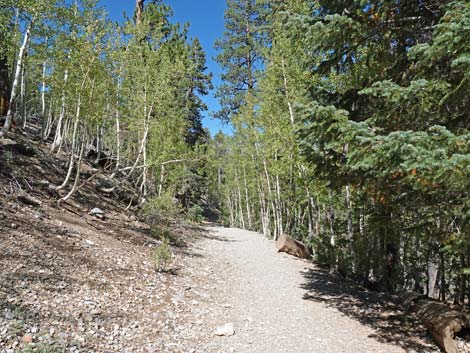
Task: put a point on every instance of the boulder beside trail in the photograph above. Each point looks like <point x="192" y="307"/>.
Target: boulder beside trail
<point x="287" y="244"/>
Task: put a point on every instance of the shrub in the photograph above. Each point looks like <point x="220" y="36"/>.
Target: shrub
<point x="162" y="256"/>
<point x="160" y="208"/>
<point x="194" y="214"/>
<point x="42" y="348"/>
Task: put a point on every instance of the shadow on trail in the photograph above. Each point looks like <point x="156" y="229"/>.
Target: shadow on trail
<point x="375" y="310"/>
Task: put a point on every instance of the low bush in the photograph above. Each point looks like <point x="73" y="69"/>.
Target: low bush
<point x="162" y="256"/>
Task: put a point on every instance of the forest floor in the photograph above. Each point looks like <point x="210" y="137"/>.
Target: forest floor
<point x="70" y="282"/>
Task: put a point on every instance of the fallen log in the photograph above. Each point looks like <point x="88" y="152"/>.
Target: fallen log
<point x="442" y="322"/>
<point x="293" y="247"/>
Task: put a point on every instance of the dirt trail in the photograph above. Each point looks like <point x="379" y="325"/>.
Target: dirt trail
<point x="280" y="304"/>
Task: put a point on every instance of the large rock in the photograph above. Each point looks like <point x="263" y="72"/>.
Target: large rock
<point x="98" y="213"/>
<point x="289" y="245"/>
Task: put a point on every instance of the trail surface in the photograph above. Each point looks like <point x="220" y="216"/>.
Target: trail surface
<point x="280" y="304"/>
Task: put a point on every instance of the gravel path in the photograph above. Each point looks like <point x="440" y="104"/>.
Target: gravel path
<point x="280" y="304"/>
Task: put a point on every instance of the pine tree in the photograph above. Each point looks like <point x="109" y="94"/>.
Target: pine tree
<point x="240" y="54"/>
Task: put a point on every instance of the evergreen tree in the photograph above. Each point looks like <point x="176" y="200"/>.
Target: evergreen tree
<point x="240" y="54"/>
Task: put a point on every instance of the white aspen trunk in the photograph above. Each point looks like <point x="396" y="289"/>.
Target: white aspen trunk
<point x="143" y="143"/>
<point x="286" y="89"/>
<point x="247" y="199"/>
<point x="143" y="188"/>
<point x="118" y="128"/>
<point x="23" y="96"/>
<point x="230" y="207"/>
<point x="262" y="205"/>
<point x="162" y="179"/>
<point x="72" y="152"/>
<point x="309" y="213"/>
<point x="14" y="88"/>
<point x="58" y="132"/>
<point x="99" y="142"/>
<point x="275" y="232"/>
<point x="48" y="123"/>
<point x="43" y="88"/>
<point x="77" y="177"/>
<point x="350" y="227"/>
<point x="280" y="226"/>
<point x="334" y="266"/>
<point x="219" y="178"/>
<point x="65" y="134"/>
<point x="349" y="215"/>
<point x="240" y="205"/>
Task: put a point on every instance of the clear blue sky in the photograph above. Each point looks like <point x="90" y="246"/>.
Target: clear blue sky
<point x="206" y="18"/>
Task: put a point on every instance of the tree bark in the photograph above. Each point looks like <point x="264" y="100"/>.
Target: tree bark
<point x="58" y="132"/>
<point x="139" y="10"/>
<point x="247" y="199"/>
<point x="77" y="176"/>
<point x="442" y="277"/>
<point x="14" y="88"/>
<point x="72" y="152"/>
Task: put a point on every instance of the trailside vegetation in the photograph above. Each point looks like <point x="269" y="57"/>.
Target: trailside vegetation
<point x="354" y="137"/>
<point x="125" y="96"/>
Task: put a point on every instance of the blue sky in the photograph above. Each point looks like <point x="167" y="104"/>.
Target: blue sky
<point x="206" y="18"/>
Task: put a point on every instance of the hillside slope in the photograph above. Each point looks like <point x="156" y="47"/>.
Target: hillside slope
<point x="72" y="281"/>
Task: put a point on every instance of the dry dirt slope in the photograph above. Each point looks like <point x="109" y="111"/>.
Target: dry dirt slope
<point x="72" y="283"/>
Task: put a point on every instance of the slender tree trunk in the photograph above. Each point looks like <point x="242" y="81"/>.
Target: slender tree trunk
<point x="433" y="269"/>
<point x="48" y="125"/>
<point x="14" y="88"/>
<point x="139" y="10"/>
<point x="240" y="205"/>
<point x="118" y="127"/>
<point x="22" y="107"/>
<point x="77" y="176"/>
<point x="286" y="89"/>
<point x="463" y="281"/>
<point x="230" y="207"/>
<point x="279" y="217"/>
<point x="334" y="265"/>
<point x="43" y="87"/>
<point x="143" y="142"/>
<point x="162" y="179"/>
<point x="263" y="208"/>
<point x="349" y="211"/>
<point x="58" y="132"/>
<point x="143" y="188"/>
<point x="442" y="271"/>
<point x="72" y="151"/>
<point x="247" y="199"/>
<point x="270" y="196"/>
<point x="64" y="134"/>
<point x="99" y="136"/>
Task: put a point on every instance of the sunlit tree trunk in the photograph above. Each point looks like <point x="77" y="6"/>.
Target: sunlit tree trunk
<point x="16" y="80"/>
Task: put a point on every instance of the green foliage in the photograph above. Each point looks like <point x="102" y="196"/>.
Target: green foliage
<point x="356" y="138"/>
<point x="42" y="348"/>
<point x="194" y="214"/>
<point x="160" y="208"/>
<point x="162" y="256"/>
<point x="240" y="54"/>
<point x="134" y="90"/>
